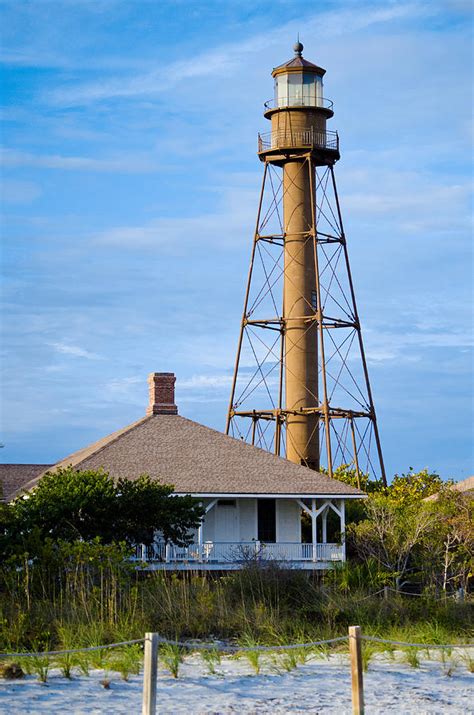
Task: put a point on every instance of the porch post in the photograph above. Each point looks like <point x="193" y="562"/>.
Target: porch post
<point x="199" y="544"/>
<point x="199" y="536"/>
<point x="314" y="530"/>
<point x="325" y="526"/>
<point x="343" y="528"/>
<point x="207" y="509"/>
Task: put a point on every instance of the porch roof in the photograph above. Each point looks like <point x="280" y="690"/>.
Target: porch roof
<point x="199" y="460"/>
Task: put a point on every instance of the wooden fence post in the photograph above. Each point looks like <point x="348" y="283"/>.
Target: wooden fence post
<point x="355" y="650"/>
<point x="150" y="674"/>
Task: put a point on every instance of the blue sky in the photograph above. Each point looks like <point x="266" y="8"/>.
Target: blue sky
<point x="129" y="191"/>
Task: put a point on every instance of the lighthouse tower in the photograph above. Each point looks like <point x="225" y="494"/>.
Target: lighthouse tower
<point x="301" y="386"/>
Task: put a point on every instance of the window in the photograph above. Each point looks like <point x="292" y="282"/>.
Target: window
<point x="281" y="90"/>
<point x="319" y="90"/>
<point x="309" y="90"/>
<point x="314" y="300"/>
<point x="295" y="89"/>
<point x="266" y="518"/>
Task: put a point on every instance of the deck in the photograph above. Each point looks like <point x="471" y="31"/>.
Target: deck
<point x="220" y="556"/>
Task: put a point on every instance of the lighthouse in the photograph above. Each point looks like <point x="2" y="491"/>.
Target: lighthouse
<point x="301" y="385"/>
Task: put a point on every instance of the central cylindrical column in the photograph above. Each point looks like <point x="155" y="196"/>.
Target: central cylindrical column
<point x="299" y="304"/>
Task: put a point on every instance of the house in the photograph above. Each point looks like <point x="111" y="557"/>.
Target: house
<point x="465" y="486"/>
<point x="253" y="500"/>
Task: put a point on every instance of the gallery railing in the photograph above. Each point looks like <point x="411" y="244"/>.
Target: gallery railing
<point x="238" y="552"/>
<point x="295" y="139"/>
<point x="303" y="101"/>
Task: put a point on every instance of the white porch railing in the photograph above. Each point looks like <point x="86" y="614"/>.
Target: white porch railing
<point x="213" y="552"/>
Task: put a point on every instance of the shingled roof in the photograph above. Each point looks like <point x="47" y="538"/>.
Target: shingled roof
<point x="13" y="477"/>
<point x="199" y="460"/>
<point x="465" y="486"/>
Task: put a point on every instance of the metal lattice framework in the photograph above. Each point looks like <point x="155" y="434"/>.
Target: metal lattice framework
<point x="346" y="424"/>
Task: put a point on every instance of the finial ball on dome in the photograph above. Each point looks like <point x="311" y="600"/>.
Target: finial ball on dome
<point x="298" y="48"/>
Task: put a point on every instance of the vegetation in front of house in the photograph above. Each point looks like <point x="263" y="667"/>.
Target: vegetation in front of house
<point x="59" y="591"/>
<point x="426" y="543"/>
<point x="69" y="505"/>
<point x="102" y="601"/>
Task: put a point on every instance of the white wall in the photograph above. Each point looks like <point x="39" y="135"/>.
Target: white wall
<point x="208" y="524"/>
<point x="226" y="522"/>
<point x="248" y="519"/>
<point x="288" y="520"/>
<point x="288" y="515"/>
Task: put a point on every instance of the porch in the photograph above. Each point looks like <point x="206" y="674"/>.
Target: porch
<point x="233" y="555"/>
<point x="302" y="533"/>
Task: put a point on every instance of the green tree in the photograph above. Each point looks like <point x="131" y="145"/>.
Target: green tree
<point x="449" y="545"/>
<point x="70" y="505"/>
<point x="415" y="486"/>
<point x="145" y="506"/>
<point x="7" y="524"/>
<point x="348" y="474"/>
<point x="392" y="534"/>
<point x="355" y="508"/>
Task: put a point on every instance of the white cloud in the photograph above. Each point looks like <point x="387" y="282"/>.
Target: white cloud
<point x="75" y="351"/>
<point x="384" y="346"/>
<point x="226" y="58"/>
<point x="125" y="164"/>
<point x="125" y="388"/>
<point x="412" y="201"/>
<point x="231" y="221"/>
<point x="59" y="34"/>
<point x="212" y="382"/>
<point x="387" y="201"/>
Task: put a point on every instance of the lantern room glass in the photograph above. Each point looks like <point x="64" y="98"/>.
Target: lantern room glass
<point x="296" y="89"/>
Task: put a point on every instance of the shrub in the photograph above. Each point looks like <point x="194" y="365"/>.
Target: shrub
<point x="11" y="671"/>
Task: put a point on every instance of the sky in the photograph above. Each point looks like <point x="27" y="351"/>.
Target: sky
<point x="129" y="192"/>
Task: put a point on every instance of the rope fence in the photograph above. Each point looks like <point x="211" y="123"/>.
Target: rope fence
<point x="459" y="595"/>
<point x="231" y="648"/>
<point x="354" y="636"/>
<point x="152" y="642"/>
<point x="246" y="649"/>
<point x="369" y="595"/>
<point x="70" y="651"/>
<point x="426" y="646"/>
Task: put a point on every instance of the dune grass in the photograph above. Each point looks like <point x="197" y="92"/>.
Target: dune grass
<point x="268" y="606"/>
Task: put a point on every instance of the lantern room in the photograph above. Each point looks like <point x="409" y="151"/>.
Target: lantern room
<point x="298" y="83"/>
<point x="298" y="89"/>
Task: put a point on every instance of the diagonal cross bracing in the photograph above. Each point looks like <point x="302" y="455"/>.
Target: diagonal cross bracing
<point x="342" y="370"/>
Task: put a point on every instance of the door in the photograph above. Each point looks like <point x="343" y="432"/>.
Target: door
<point x="226" y="521"/>
<point x="266" y="512"/>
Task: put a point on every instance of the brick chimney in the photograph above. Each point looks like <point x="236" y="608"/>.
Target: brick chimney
<point x="161" y="402"/>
